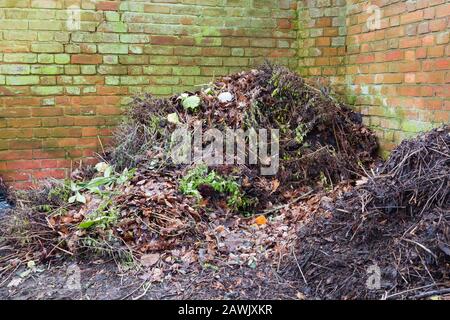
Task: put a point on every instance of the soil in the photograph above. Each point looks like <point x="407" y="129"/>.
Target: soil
<point x="102" y="280"/>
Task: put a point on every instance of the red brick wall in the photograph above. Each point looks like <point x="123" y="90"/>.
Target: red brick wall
<point x="397" y="75"/>
<point x="322" y="41"/>
<point x="61" y="90"/>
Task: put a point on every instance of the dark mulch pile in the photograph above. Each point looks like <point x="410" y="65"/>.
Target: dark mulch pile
<point x="397" y="220"/>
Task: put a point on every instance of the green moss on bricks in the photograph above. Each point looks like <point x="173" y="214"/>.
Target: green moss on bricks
<point x="116" y="27"/>
<point x="134" y="38"/>
<point x="73" y="90"/>
<point x="112" y="16"/>
<point x="14" y="69"/>
<point x="20" y="57"/>
<point x="62" y="58"/>
<point x="415" y="126"/>
<point x="113" y="48"/>
<point x="131" y="80"/>
<point x="22" y="80"/>
<point x="112" y="80"/>
<point x="157" y="70"/>
<point x="72" y="69"/>
<point x="208" y="41"/>
<point x="51" y="69"/>
<point x="111" y="59"/>
<point x="351" y="99"/>
<point x="47" y="91"/>
<point x="89" y="69"/>
<point x="46" y="58"/>
<point x="158" y="90"/>
<point x="47" y="47"/>
<point x="186" y="71"/>
<point x="208" y="31"/>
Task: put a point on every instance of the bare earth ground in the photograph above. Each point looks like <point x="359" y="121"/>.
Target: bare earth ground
<point x="104" y="280"/>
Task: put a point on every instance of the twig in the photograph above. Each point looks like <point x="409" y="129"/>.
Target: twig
<point x="278" y="208"/>
<point x="298" y="265"/>
<point x="132" y="292"/>
<point x="146" y="288"/>
<point x="422" y="246"/>
<point x="409" y="290"/>
<point x="431" y="293"/>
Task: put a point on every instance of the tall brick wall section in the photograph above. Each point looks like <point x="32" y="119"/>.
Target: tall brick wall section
<point x="322" y="41"/>
<point x="397" y="75"/>
<point x="61" y="90"/>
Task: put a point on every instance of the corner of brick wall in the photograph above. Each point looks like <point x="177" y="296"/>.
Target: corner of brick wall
<point x="62" y="90"/>
<point x="322" y="42"/>
<point x="398" y="75"/>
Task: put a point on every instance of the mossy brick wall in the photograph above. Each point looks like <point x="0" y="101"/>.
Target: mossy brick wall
<point x="62" y="91"/>
<point x="397" y="75"/>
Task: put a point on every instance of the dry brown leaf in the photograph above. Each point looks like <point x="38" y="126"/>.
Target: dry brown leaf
<point x="149" y="260"/>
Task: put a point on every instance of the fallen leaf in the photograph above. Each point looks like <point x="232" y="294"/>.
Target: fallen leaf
<point x="275" y="185"/>
<point x="101" y="167"/>
<point x="300" y="296"/>
<point x="15" y="282"/>
<point x="361" y="181"/>
<point x="260" y="220"/>
<point x="149" y="260"/>
<point x="173" y="118"/>
<point x="225" y="97"/>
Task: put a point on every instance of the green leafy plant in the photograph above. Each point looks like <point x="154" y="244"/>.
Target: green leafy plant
<point x="200" y="175"/>
<point x="300" y="133"/>
<point x="99" y="185"/>
<point x="190" y="102"/>
<point x="103" y="216"/>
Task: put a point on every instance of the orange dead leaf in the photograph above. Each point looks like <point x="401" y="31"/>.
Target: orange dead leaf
<point x="260" y="220"/>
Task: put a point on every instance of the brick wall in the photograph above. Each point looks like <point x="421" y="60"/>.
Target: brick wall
<point x="322" y="41"/>
<point x="61" y="90"/>
<point x="397" y="74"/>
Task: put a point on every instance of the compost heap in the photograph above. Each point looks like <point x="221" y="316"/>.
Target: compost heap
<point x="320" y="138"/>
<point x="137" y="201"/>
<point x="396" y="220"/>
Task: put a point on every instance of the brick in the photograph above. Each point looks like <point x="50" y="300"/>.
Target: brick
<point x="394" y="55"/>
<point x="411" y="17"/>
<point x="47" y="69"/>
<point x="46" y="58"/>
<point x="14" y="69"/>
<point x="13" y="24"/>
<point x="22" y="80"/>
<point x="20" y="57"/>
<point x="108" y="5"/>
<point x="62" y="58"/>
<point x="86" y="59"/>
<point x="47" y="47"/>
<point x="46" y="91"/>
<point x="113" y="48"/>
